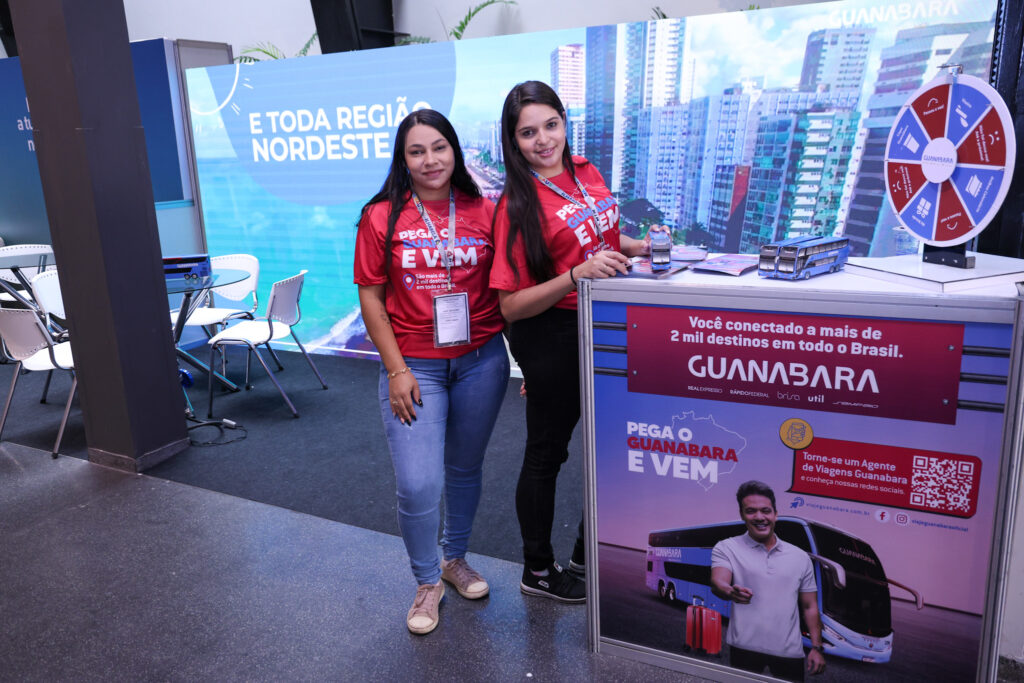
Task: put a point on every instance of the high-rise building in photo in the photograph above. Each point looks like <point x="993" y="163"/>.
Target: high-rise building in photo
<point x="717" y="136"/>
<point x="771" y="164"/>
<point x="728" y="203"/>
<point x="659" y="176"/>
<point x="629" y="69"/>
<point x="816" y="173"/>
<point x="836" y="59"/>
<point x="648" y="60"/>
<point x="568" y="75"/>
<point x="599" y="146"/>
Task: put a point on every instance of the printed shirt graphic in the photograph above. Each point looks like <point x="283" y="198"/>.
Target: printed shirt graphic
<point x="417" y="270"/>
<point x="569" y="231"/>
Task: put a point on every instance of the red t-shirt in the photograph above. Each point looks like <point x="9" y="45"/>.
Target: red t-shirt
<point x="569" y="231"/>
<point x="417" y="270"/>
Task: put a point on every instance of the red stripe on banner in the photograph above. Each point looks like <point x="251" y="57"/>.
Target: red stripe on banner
<point x="930" y="481"/>
<point x="901" y="369"/>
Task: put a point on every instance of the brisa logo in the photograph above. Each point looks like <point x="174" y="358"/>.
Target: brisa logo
<point x="938" y="159"/>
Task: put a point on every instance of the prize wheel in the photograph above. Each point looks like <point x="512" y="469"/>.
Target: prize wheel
<point x="949" y="159"/>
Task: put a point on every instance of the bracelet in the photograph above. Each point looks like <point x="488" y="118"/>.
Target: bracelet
<point x="396" y="373"/>
<point x="571" y="278"/>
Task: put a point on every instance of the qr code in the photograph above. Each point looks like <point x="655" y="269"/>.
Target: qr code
<point x="941" y="484"/>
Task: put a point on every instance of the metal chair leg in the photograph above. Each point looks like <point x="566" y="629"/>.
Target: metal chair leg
<point x="10" y="395"/>
<point x="46" y="386"/>
<point x="223" y="355"/>
<point x="209" y="382"/>
<point x="276" y="359"/>
<point x="67" y="410"/>
<point x="189" y="409"/>
<point x="309" y="360"/>
<point x="276" y="383"/>
<point x="248" y="361"/>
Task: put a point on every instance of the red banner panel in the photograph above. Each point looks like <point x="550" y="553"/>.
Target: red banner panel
<point x="930" y="481"/>
<point x="931" y="110"/>
<point x="901" y="369"/>
<point x="986" y="144"/>
<point x="954" y="221"/>
<point x="904" y="182"/>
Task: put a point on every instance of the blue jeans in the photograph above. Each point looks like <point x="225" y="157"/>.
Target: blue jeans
<point x="443" y="449"/>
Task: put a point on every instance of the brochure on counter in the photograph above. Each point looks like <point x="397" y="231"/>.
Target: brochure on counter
<point x="641" y="268"/>
<point x="685" y="252"/>
<point x="728" y="264"/>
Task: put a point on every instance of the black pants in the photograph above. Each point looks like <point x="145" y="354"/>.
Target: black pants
<point x="546" y="347"/>
<point x="789" y="668"/>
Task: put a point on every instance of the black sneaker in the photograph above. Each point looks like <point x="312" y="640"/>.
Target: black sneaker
<point x="558" y="585"/>
<point x="578" y="563"/>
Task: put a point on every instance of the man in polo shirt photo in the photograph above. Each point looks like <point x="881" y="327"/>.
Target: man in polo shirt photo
<point x="767" y="580"/>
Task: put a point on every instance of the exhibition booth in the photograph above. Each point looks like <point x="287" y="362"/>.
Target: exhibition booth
<point x="879" y="399"/>
<point x="886" y="419"/>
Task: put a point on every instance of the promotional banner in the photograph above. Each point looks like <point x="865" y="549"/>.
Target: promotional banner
<point x="22" y="208"/>
<point x="687" y="121"/>
<point x="893" y="368"/>
<point x="890" y="498"/>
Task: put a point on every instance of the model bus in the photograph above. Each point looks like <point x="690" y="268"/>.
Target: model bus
<point x="802" y="257"/>
<point x="853" y="590"/>
<point x="661" y="251"/>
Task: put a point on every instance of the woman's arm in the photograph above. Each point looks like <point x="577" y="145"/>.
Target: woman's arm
<point x="526" y="303"/>
<point x="403" y="388"/>
<point x="633" y="247"/>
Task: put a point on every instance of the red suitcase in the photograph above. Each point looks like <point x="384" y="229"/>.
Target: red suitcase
<point x="703" y="628"/>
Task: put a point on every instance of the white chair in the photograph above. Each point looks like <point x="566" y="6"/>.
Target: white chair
<point x="44" y="253"/>
<point x="46" y="293"/>
<point x="29" y="344"/>
<point x="282" y="314"/>
<point x="209" y="315"/>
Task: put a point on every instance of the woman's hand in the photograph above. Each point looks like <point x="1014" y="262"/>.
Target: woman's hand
<point x="643" y="247"/>
<point x="601" y="265"/>
<point x="404" y="391"/>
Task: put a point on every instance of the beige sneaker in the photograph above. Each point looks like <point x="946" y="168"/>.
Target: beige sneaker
<point x="466" y="580"/>
<point x="422" y="616"/>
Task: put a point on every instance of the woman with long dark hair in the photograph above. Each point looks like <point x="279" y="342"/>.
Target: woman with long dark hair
<point x="423" y="258"/>
<point x="556" y="222"/>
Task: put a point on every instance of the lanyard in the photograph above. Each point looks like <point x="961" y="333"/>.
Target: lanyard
<point x="600" y="224"/>
<point x="447" y="253"/>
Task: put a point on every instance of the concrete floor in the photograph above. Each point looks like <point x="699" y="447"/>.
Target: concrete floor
<point x="107" y="576"/>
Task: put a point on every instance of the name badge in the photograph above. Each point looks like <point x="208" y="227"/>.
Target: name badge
<point x="451" y="319"/>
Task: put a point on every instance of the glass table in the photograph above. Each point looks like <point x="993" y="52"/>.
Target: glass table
<point x="23" y="267"/>
<point x="194" y="292"/>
